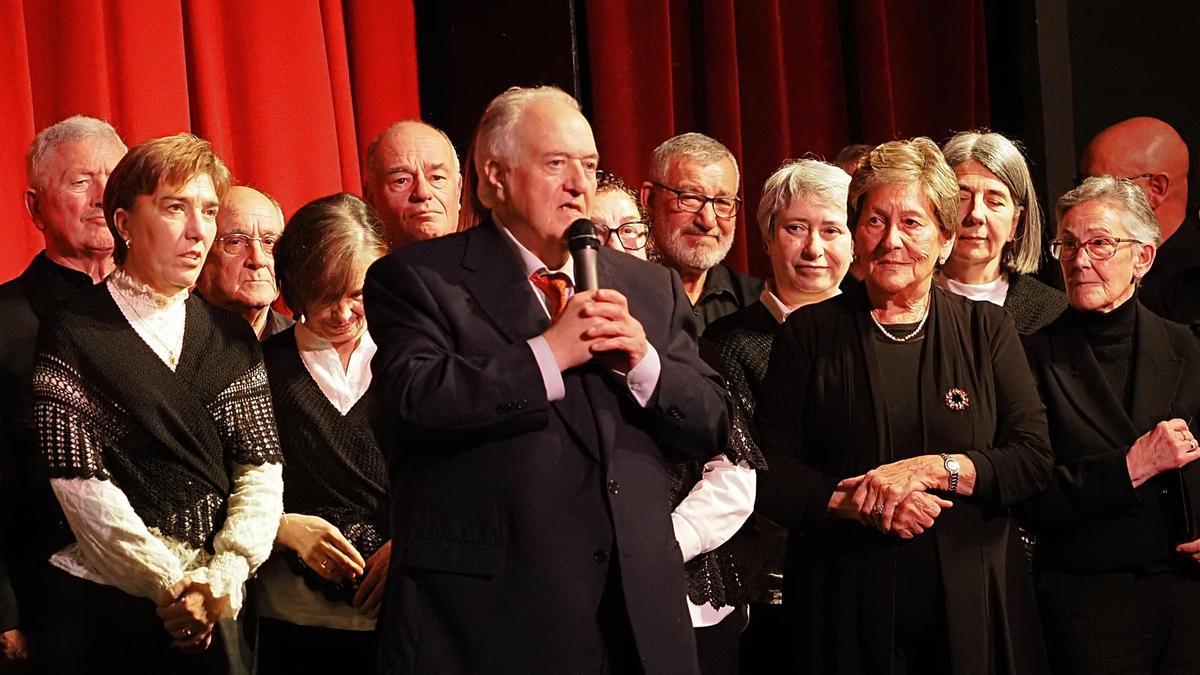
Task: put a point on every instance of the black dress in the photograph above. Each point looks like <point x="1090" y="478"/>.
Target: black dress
<point x="823" y="416"/>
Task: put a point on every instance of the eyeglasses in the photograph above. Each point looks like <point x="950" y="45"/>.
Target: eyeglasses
<point x="1100" y="248"/>
<point x="237" y="244"/>
<point x="632" y="235"/>
<point x="723" y="207"/>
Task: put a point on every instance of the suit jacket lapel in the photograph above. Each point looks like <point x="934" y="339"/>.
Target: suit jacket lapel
<point x="1157" y="371"/>
<point x="503" y="293"/>
<point x="1084" y="385"/>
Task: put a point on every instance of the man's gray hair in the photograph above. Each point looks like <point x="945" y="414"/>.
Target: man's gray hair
<point x="810" y="179"/>
<point x="369" y="158"/>
<point x="72" y="129"/>
<point x="694" y="146"/>
<point x="494" y="136"/>
<point x="1004" y="159"/>
<point x="1120" y="193"/>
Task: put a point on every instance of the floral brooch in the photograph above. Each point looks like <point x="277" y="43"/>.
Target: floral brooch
<point x="957" y="399"/>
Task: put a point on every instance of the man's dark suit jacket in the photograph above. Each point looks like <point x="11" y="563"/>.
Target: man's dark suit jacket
<point x="508" y="510"/>
<point x="1091" y="518"/>
<point x="31" y="523"/>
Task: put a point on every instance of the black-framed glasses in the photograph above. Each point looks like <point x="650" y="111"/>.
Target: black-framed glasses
<point x="692" y="202"/>
<point x="237" y="244"/>
<point x="1098" y="248"/>
<point x="632" y="235"/>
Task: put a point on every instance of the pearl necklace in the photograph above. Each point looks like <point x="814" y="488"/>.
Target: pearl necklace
<point x="911" y="335"/>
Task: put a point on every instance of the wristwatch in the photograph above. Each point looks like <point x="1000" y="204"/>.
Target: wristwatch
<point x="952" y="467"/>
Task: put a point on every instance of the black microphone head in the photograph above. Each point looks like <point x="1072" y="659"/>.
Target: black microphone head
<point x="582" y="234"/>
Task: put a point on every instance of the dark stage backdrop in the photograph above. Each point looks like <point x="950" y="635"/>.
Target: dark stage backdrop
<point x="288" y="92"/>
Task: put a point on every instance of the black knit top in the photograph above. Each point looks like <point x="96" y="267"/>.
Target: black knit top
<point x="1110" y="335"/>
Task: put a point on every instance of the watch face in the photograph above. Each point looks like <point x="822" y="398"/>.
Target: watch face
<point x="952" y="465"/>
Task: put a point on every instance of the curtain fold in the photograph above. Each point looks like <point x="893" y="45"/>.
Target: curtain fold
<point x="273" y="85"/>
<point x="778" y="79"/>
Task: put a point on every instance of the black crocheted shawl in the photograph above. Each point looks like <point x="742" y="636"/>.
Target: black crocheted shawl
<point x="107" y="407"/>
<point x="335" y="468"/>
<point x="737" y="346"/>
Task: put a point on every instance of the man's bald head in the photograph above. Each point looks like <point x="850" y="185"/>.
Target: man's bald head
<point x="239" y="273"/>
<point x="1152" y="154"/>
<point x="411" y="176"/>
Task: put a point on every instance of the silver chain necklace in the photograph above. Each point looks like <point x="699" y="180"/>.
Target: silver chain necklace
<point x="913" y="334"/>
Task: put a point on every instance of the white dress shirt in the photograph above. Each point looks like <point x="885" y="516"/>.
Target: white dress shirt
<point x="993" y="291"/>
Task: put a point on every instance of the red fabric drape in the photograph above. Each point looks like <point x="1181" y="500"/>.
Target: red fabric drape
<point x="288" y="92"/>
<point x="775" y="79"/>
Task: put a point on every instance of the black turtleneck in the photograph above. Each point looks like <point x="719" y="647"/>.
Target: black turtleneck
<point x="1111" y="338"/>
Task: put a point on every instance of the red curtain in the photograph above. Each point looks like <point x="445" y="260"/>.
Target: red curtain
<point x="289" y="93"/>
<point x="776" y="79"/>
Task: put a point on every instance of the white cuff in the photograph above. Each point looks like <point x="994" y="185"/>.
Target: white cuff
<point x="643" y="379"/>
<point x="687" y="536"/>
<point x="551" y="375"/>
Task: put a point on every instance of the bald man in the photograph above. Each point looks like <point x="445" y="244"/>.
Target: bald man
<point x="1152" y="154"/>
<point x="239" y="273"/>
<point x="411" y="177"/>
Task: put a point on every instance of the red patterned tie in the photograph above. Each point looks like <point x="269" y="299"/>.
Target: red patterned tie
<point x="554" y="286"/>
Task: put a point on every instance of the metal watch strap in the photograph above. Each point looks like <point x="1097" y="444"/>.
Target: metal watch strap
<point x="953" y="472"/>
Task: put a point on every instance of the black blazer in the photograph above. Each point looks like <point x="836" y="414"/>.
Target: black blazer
<point x="822" y="417"/>
<point x="509" y="510"/>
<point x="31" y="522"/>
<point x="1091" y="518"/>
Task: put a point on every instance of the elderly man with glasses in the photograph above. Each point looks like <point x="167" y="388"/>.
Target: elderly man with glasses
<point x="239" y="273"/>
<point x="693" y="204"/>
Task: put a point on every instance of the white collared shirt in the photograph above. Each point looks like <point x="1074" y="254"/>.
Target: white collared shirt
<point x="642" y="380"/>
<point x="342" y="386"/>
<point x="993" y="291"/>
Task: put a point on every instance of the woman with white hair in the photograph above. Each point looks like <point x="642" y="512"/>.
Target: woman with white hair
<point x="802" y="216"/>
<point x="999" y="243"/>
<point x="1119" y="584"/>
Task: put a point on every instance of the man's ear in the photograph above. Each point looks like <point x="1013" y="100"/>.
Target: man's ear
<point x="1157" y="187"/>
<point x="493" y="177"/>
<point x="644" y="195"/>
<point x="31" y="207"/>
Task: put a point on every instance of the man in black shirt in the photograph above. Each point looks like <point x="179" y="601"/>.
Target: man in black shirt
<point x="693" y="204"/>
<point x="68" y="167"/>
<point x="1151" y="153"/>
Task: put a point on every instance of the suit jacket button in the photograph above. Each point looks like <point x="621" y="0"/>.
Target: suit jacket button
<point x="521" y="404"/>
<point x="614" y="487"/>
<point x="599" y="556"/>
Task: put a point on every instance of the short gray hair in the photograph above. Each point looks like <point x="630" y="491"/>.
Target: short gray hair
<point x="810" y="179"/>
<point x="1118" y="192"/>
<point x="494" y="135"/>
<point x="694" y="146"/>
<point x="72" y="129"/>
<point x="373" y="147"/>
<point x="1004" y="159"/>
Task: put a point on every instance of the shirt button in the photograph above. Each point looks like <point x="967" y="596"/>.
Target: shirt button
<point x="1164" y="491"/>
<point x="599" y="556"/>
<point x="614" y="487"/>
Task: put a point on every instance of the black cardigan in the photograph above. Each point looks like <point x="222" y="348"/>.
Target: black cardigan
<point x="1091" y="518"/>
<point x="822" y="417"/>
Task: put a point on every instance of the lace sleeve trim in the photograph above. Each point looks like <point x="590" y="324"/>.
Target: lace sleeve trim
<point x="246" y="419"/>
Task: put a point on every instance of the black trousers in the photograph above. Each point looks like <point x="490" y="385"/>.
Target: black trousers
<point x="1125" y="622"/>
<point x="99" y="629"/>
<point x="717" y="645"/>
<point x="768" y="643"/>
<point x="289" y="649"/>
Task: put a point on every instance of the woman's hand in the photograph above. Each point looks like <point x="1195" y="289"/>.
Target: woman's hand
<point x="1169" y="445"/>
<point x="1191" y="548"/>
<point x="917" y="513"/>
<point x="880" y="490"/>
<point x="189" y="618"/>
<point x="370" y="593"/>
<point x="13" y="647"/>
<point x="321" y="546"/>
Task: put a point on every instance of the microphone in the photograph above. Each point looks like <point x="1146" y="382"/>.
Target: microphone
<point x="583" y="244"/>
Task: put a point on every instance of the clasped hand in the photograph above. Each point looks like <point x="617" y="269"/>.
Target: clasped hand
<point x="597" y="323"/>
<point x="189" y="612"/>
<point x="892" y="498"/>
